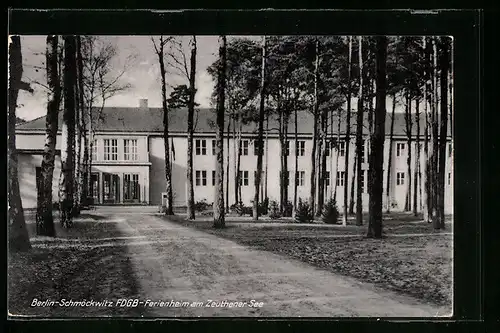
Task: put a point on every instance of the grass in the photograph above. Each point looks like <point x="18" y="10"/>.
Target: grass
<point x="412" y="258"/>
<point x="72" y="270"/>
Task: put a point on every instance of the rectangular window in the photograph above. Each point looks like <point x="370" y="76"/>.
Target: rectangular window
<point x="449" y="150"/>
<point x="214" y="145"/>
<point x="326" y="178"/>
<point x="363" y="181"/>
<point x="400" y="178"/>
<point x="400" y="147"/>
<point x="200" y="147"/>
<point x="287" y="148"/>
<point x="213" y="177"/>
<point x="300" y="178"/>
<point x="94" y="150"/>
<point x="340" y="178"/>
<point x="449" y="178"/>
<point x="301" y="148"/>
<point x="256" y="148"/>
<point x="327" y="148"/>
<point x="110" y="149"/>
<point x="341" y="148"/>
<point x="244" y="147"/>
<point x="201" y="178"/>
<point x="243" y="175"/>
<point x="130" y="150"/>
<point x="131" y="187"/>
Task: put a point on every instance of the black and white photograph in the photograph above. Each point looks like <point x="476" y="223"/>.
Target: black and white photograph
<point x="186" y="176"/>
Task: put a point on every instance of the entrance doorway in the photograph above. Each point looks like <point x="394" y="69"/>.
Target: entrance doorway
<point x="111" y="188"/>
<point x="131" y="189"/>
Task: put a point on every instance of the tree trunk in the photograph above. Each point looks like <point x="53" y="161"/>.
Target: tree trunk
<point x="337" y="156"/>
<point x="435" y="142"/>
<point x="18" y="234"/>
<point x="377" y="144"/>
<point x="77" y="140"/>
<point x="238" y="162"/>
<point x="416" y="178"/>
<point x="312" y="195"/>
<point x="83" y="137"/>
<point x="296" y="173"/>
<point x="228" y="162"/>
<point x="267" y="155"/>
<point x="322" y="160"/>
<point x="168" y="171"/>
<point x="425" y="162"/>
<point x="236" y="151"/>
<point x="260" y="138"/>
<point x="444" y="64"/>
<point x="408" y="123"/>
<point x="286" y="119"/>
<point x="359" y="140"/>
<point x="353" y="187"/>
<point x="389" y="158"/>
<point x="219" y="214"/>
<point x="347" y="135"/>
<point x="192" y="93"/>
<point x="66" y="190"/>
<point x="45" y="221"/>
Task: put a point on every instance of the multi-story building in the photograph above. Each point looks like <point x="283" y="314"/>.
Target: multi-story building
<point x="128" y="158"/>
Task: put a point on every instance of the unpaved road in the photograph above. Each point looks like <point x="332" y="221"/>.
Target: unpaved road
<point x="175" y="263"/>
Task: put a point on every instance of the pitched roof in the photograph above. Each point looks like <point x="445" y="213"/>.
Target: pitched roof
<point x="130" y="119"/>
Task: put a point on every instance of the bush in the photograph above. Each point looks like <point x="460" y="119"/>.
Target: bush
<point x="288" y="209"/>
<point x="330" y="213"/>
<point x="274" y="210"/>
<point x="202" y="205"/>
<point x="304" y="213"/>
<point x="241" y="209"/>
<point x="162" y="209"/>
<point x="263" y="207"/>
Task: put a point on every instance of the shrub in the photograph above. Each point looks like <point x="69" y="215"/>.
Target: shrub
<point x="162" y="209"/>
<point x="274" y="210"/>
<point x="330" y="213"/>
<point x="241" y="209"/>
<point x="304" y="213"/>
<point x="202" y="205"/>
<point x="263" y="207"/>
<point x="288" y="209"/>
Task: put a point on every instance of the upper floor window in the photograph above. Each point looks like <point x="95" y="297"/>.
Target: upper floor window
<point x="95" y="149"/>
<point x="300" y="178"/>
<point x="326" y="178"/>
<point x="200" y="147"/>
<point x="110" y="149"/>
<point x="340" y="178"/>
<point x="450" y="150"/>
<point x="400" y="147"/>
<point x="449" y="178"/>
<point x="287" y="148"/>
<point x="213" y="177"/>
<point x="400" y="178"/>
<point x="130" y="150"/>
<point x="362" y="151"/>
<point x="341" y="148"/>
<point x="243" y="178"/>
<point x="327" y="148"/>
<point x="244" y="147"/>
<point x="301" y="149"/>
<point x="201" y="178"/>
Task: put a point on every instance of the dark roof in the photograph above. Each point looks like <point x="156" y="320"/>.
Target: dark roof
<point x="129" y="119"/>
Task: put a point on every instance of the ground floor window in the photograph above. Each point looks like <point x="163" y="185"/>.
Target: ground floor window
<point x="131" y="189"/>
<point x="400" y="178"/>
<point x="94" y="187"/>
<point x="201" y="178"/>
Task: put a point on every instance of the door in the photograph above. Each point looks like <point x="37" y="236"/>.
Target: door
<point x="111" y="188"/>
<point x="94" y="190"/>
<point x="131" y="189"/>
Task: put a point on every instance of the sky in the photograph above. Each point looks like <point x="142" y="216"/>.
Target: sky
<point x="143" y="73"/>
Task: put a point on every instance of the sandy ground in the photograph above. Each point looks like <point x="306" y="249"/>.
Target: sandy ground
<point x="175" y="263"/>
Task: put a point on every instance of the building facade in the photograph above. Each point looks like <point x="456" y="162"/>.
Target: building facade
<point x="128" y="159"/>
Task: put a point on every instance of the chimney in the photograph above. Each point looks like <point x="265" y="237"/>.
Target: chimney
<point x="143" y="103"/>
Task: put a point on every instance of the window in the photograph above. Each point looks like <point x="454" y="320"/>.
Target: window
<point x="449" y="150"/>
<point x="94" y="150"/>
<point x="341" y="148"/>
<point x="340" y="178"/>
<point x="213" y="177"/>
<point x="256" y="147"/>
<point x="399" y="148"/>
<point x="300" y="178"/>
<point x="243" y="175"/>
<point x="400" y="178"/>
<point x="287" y="148"/>
<point x="131" y="187"/>
<point x="286" y="177"/>
<point x="110" y="149"/>
<point x="327" y="148"/>
<point x="326" y="178"/>
<point x="214" y="145"/>
<point x="363" y="181"/>
<point x="301" y="148"/>
<point x="244" y="147"/>
<point x="130" y="150"/>
<point x="449" y="178"/>
<point x="200" y="147"/>
<point x="201" y="178"/>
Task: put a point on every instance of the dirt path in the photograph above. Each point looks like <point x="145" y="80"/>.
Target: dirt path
<point x="175" y="263"/>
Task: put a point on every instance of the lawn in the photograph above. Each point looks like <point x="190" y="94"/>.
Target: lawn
<point x="412" y="258"/>
<point x="71" y="267"/>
